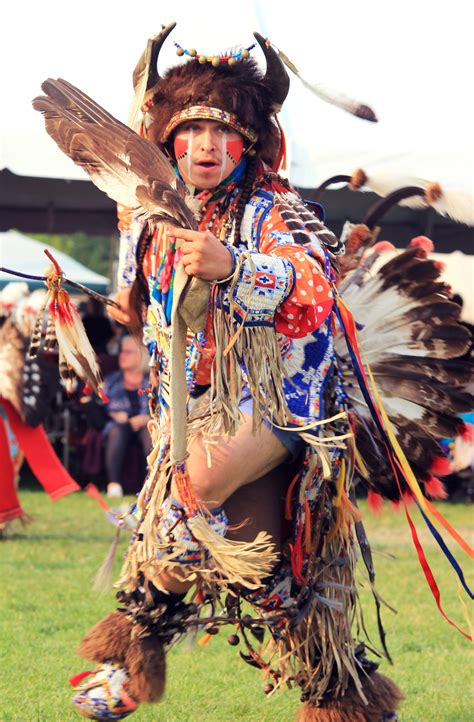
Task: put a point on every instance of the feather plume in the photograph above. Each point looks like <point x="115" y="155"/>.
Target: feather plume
<point x="128" y="168"/>
<point x="454" y="203"/>
<point x="355" y="107"/>
<point x="77" y="357"/>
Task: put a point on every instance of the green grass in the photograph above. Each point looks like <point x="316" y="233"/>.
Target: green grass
<point x="47" y="604"/>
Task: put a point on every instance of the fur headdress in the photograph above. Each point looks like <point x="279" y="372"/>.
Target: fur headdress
<point x="248" y="97"/>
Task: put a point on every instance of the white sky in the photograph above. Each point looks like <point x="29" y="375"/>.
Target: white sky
<point x="410" y="60"/>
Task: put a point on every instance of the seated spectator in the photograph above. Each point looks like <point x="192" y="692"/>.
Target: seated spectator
<point x="127" y="409"/>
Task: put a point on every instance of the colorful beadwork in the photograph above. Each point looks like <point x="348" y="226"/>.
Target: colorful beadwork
<point x="103" y="695"/>
<point x="203" y="112"/>
<point x="215" y="60"/>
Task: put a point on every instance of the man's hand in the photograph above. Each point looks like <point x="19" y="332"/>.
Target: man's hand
<point x="204" y="255"/>
<point x="137" y="422"/>
<point x="122" y="314"/>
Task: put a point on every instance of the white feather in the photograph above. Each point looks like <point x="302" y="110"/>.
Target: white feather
<point x="73" y="343"/>
<point x="331" y="96"/>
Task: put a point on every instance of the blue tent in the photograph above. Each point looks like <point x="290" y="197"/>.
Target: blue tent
<point x="20" y="253"/>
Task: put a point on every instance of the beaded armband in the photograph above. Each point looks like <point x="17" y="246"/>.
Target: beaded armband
<point x="258" y="286"/>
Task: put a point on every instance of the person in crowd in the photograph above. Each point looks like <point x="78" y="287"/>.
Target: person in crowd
<point x="126" y="391"/>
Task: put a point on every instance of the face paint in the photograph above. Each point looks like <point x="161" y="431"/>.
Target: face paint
<point x="231" y="153"/>
<point x="183" y="149"/>
<point x="223" y="156"/>
<point x="207" y="152"/>
<point x="235" y="150"/>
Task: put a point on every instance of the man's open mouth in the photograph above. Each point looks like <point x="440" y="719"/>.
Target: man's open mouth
<point x="207" y="164"/>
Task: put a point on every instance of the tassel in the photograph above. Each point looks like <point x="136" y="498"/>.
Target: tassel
<point x="103" y="578"/>
<point x="435" y="488"/>
<point x="441" y="466"/>
<point x="77" y="678"/>
<point x="231" y="561"/>
<point x="375" y="502"/>
<point x="234" y="562"/>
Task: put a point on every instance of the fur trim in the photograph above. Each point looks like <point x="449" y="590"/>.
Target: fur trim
<point x="238" y="89"/>
<point x="115" y="639"/>
<point x="146" y="665"/>
<point x="108" y="640"/>
<point x="382" y="694"/>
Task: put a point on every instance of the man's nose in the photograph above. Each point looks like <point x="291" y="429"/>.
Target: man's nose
<point x="208" y="141"/>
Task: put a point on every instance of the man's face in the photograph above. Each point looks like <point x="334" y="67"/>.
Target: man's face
<point x="206" y="152"/>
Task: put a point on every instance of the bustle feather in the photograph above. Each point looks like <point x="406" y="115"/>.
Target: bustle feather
<point x="411" y="339"/>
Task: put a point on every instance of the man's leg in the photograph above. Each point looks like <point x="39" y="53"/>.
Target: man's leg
<point x="116" y="444"/>
<point x="234" y="462"/>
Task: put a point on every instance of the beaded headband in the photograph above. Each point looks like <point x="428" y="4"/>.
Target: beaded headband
<point x="202" y="112"/>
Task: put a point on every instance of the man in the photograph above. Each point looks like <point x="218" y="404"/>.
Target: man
<point x="257" y="421"/>
<point x="273" y="278"/>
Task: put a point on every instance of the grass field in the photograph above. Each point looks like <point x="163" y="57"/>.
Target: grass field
<point x="47" y="604"/>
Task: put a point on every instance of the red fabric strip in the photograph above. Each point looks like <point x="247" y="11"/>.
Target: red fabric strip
<point x="41" y="457"/>
<point x="92" y="491"/>
<point x="10" y="507"/>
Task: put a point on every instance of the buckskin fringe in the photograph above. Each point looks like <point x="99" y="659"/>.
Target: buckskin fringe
<point x="226" y="561"/>
<point x="319" y="653"/>
<point x="246" y="357"/>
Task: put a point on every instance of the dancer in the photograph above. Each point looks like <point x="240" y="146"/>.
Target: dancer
<point x="259" y="428"/>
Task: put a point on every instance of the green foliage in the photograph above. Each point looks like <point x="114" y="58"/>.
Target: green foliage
<point x="47" y="605"/>
<point x="92" y="251"/>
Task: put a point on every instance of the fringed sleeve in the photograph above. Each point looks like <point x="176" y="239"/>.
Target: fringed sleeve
<point x="278" y="287"/>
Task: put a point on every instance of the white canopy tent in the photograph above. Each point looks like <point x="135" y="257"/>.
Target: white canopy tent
<point x="20" y="253"/>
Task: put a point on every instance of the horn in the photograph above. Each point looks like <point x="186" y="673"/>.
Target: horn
<point x="381" y="207"/>
<point x="148" y="62"/>
<point x="276" y="77"/>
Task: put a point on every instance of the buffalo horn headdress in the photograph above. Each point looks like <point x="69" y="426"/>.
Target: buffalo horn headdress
<point x="238" y="94"/>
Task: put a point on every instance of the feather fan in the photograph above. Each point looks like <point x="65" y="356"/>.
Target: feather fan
<point x="129" y="169"/>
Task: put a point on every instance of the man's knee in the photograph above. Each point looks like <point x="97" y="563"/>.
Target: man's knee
<point x="209" y="484"/>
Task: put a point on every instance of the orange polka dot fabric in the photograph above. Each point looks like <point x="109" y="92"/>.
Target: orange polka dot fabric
<point x="310" y="301"/>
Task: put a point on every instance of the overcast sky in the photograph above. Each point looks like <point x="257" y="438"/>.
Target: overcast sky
<point x="410" y="60"/>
